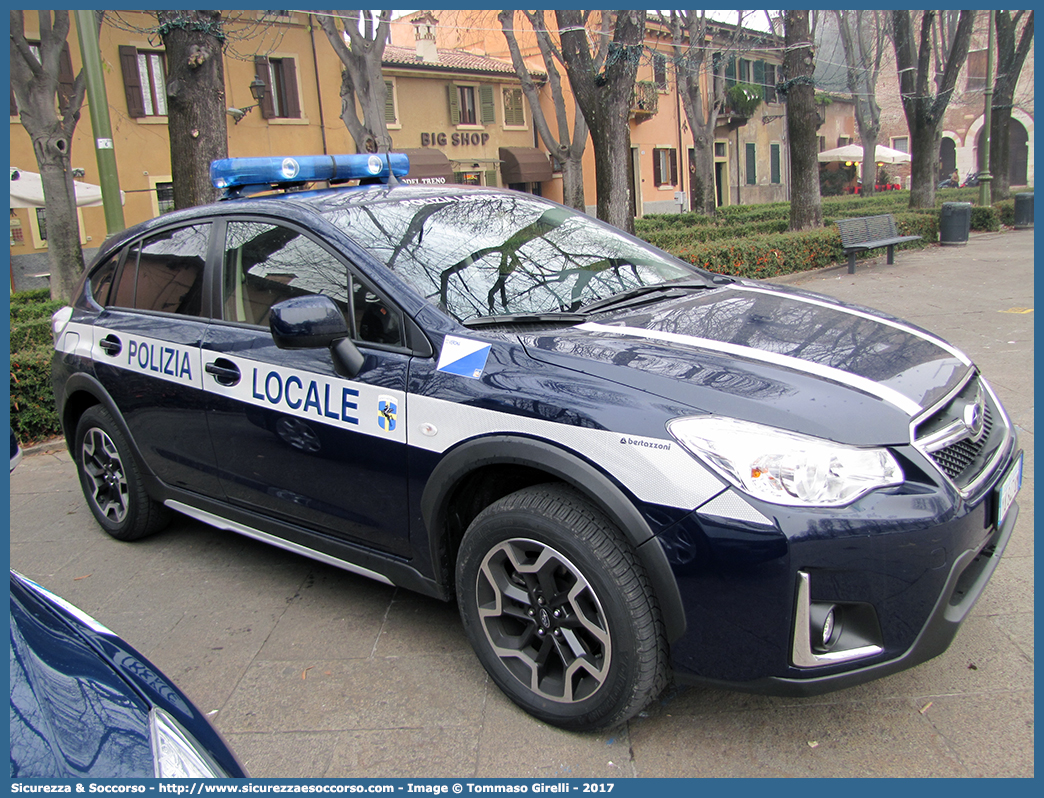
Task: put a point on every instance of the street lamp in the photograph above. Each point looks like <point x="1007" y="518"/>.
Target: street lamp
<point x="257" y="91"/>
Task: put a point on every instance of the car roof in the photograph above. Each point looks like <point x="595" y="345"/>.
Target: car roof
<point x="302" y="205"/>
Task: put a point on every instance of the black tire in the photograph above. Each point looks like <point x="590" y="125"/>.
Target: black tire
<point x="547" y="550"/>
<point x="111" y="481"/>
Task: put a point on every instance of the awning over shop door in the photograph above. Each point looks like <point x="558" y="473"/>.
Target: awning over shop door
<point x="524" y="165"/>
<point x="428" y="166"/>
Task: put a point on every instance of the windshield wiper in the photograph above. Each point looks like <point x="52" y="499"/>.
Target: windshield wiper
<point x="525" y="318"/>
<point x="670" y="290"/>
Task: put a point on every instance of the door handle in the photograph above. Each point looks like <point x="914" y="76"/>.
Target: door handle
<point x="225" y="372"/>
<point x="110" y="345"/>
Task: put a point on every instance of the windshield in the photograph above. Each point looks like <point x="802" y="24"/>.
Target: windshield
<point x="483" y="254"/>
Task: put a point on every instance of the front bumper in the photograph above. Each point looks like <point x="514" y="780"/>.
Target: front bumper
<point x="912" y="563"/>
<point x="966" y="581"/>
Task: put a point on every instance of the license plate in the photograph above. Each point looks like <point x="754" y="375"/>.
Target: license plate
<point x="1009" y="489"/>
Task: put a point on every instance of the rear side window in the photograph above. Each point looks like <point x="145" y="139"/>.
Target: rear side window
<point x="165" y="272"/>
<point x="101" y="279"/>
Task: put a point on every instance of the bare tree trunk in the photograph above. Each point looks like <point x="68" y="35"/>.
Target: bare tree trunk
<point x="605" y="97"/>
<point x="196" y="120"/>
<point x="701" y="111"/>
<point x="863" y="36"/>
<point x="806" y="211"/>
<point x="35" y="82"/>
<point x="1010" y="60"/>
<point x="568" y="149"/>
<point x="362" y="78"/>
<point x="924" y="111"/>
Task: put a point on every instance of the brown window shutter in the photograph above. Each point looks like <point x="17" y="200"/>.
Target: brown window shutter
<point x="267" y="109"/>
<point x="674" y="167"/>
<point x="657" y="172"/>
<point x="291" y="99"/>
<point x="131" y="81"/>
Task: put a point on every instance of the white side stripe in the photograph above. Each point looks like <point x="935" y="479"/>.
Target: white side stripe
<point x="656" y="470"/>
<point x="939" y="342"/>
<point x="889" y="395"/>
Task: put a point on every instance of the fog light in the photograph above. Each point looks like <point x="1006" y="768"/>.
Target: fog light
<point x="828" y="627"/>
<point x="824" y="625"/>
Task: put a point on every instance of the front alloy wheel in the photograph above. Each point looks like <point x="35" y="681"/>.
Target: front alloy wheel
<point x="558" y="607"/>
<point x="543" y="620"/>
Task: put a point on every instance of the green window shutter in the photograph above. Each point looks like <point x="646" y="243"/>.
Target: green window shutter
<point x="514" y="113"/>
<point x="389" y="103"/>
<point x="775" y="173"/>
<point x="730" y="71"/>
<point x="752" y="165"/>
<point x="759" y="79"/>
<point x="454" y="104"/>
<point x="491" y="177"/>
<point x="486" y="105"/>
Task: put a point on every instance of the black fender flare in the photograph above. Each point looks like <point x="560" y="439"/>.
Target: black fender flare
<point x="594" y="484"/>
<point x="86" y="383"/>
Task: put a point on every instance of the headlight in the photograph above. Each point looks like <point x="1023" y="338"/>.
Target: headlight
<point x="785" y="467"/>
<point x="175" y="752"/>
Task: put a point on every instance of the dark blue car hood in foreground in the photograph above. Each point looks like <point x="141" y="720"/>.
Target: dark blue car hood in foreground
<point x="80" y="697"/>
<point x="789" y="359"/>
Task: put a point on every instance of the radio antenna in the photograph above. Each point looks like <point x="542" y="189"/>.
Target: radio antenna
<point x="392" y="180"/>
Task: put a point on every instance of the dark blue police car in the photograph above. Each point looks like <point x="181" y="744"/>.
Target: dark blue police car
<point x="620" y="466"/>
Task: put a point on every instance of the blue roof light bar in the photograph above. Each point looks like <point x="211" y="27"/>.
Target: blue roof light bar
<point x="239" y="176"/>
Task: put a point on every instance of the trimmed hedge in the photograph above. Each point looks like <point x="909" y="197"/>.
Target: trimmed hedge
<point x="33" y="413"/>
<point x="987" y="218"/>
<point x="752" y="240"/>
<point x="773" y="255"/>
<point x="1006" y="212"/>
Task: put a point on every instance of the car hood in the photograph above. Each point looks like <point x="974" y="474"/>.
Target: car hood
<point x="72" y="716"/>
<point x="789" y="359"/>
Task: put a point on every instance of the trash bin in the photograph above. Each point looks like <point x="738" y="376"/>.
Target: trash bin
<point x="955" y="223"/>
<point x="1024" y="211"/>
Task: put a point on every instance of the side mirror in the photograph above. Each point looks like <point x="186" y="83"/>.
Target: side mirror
<point x="311" y="322"/>
<point x="306" y="322"/>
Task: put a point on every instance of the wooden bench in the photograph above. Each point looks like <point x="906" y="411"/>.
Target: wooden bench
<point x="864" y="233"/>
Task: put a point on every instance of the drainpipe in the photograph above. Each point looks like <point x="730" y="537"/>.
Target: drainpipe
<point x="738" y="180"/>
<point x="318" y="88"/>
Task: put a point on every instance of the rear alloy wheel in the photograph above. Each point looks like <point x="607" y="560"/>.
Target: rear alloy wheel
<point x="558" y="609"/>
<point x="110" y="479"/>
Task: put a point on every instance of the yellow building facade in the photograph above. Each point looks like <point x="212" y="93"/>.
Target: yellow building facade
<point x="454" y="104"/>
<point x="750" y="157"/>
<point x="300" y="115"/>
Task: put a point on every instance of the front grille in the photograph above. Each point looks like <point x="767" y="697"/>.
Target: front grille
<point x="956" y="458"/>
<point x="963" y="456"/>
